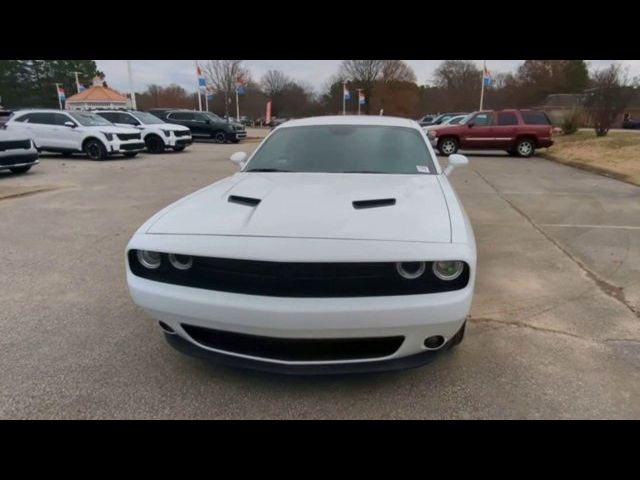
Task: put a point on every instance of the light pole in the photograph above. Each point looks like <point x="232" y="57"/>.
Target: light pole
<point x="131" y="92"/>
<point x="359" y="90"/>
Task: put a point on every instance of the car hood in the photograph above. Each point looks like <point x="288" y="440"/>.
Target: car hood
<point x="173" y="126"/>
<point x="313" y="205"/>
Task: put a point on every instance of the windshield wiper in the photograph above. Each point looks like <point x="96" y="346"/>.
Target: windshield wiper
<point x="266" y="170"/>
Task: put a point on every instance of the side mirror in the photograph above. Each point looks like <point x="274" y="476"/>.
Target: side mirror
<point x="239" y="158"/>
<point x="470" y="124"/>
<point x="207" y="122"/>
<point x="455" y="160"/>
<point x="70" y="124"/>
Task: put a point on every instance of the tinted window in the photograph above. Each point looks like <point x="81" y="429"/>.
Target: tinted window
<point x="483" y="119"/>
<point x="60" y="118"/>
<point x="42" y="118"/>
<point x="184" y="116"/>
<point x="535" y="118"/>
<point x="90" y="119"/>
<point x="507" y="118"/>
<point x="111" y="116"/>
<point x="22" y="118"/>
<point x="344" y="149"/>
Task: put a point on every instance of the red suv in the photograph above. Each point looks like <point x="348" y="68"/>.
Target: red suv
<point x="519" y="132"/>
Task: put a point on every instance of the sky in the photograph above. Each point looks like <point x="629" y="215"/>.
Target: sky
<point x="314" y="72"/>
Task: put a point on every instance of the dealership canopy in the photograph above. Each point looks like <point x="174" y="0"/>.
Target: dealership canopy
<point x="99" y="95"/>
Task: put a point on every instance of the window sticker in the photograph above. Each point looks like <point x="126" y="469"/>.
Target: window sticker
<point x="422" y="168"/>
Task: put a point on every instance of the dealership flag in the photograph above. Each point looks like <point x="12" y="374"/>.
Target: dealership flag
<point x="346" y="92"/>
<point x="61" y="95"/>
<point x="486" y="77"/>
<point x="361" y="99"/>
<point x="202" y="82"/>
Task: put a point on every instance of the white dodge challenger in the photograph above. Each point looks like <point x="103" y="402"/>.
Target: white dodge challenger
<point x="339" y="246"/>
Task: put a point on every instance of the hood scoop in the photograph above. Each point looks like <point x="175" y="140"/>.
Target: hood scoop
<point x="379" y="202"/>
<point x="247" y="201"/>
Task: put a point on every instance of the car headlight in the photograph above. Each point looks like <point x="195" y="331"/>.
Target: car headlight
<point x="180" y="262"/>
<point x="109" y="136"/>
<point x="410" y="270"/>
<point x="448" y="270"/>
<point x="148" y="259"/>
<point x="167" y="133"/>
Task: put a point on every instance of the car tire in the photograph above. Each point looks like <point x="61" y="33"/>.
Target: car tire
<point x="219" y="136"/>
<point x="95" y="150"/>
<point x="179" y="148"/>
<point x="458" y="337"/>
<point x="154" y="144"/>
<point x="131" y="154"/>
<point x="525" y="148"/>
<point x="20" y="169"/>
<point x="448" y="146"/>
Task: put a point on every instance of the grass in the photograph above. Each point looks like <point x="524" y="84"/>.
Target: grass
<point x="616" y="155"/>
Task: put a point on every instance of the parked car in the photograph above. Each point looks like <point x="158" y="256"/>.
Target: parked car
<point x="363" y="259"/>
<point x="426" y="120"/>
<point x="630" y="123"/>
<point x="439" y="119"/>
<point x="157" y="134"/>
<point x="454" y="120"/>
<point x="69" y="132"/>
<point x="17" y="152"/>
<point x="519" y="132"/>
<point x="206" y="124"/>
<point x="276" y="122"/>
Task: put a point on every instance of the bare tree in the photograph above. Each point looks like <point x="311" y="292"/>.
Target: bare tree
<point x="397" y="71"/>
<point x="608" y="97"/>
<point x="223" y="75"/>
<point x="460" y="82"/>
<point x="274" y="82"/>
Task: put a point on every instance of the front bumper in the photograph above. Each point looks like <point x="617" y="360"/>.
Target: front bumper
<point x="18" y="160"/>
<point x="237" y="135"/>
<point x="126" y="146"/>
<point x="414" y="317"/>
<point x="173" y="141"/>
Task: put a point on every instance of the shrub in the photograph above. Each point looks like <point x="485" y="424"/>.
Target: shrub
<point x="571" y="122"/>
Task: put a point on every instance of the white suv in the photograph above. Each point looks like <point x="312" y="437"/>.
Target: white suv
<point x="157" y="134"/>
<point x="70" y="132"/>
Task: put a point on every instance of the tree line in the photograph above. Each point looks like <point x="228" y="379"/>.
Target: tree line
<point x="388" y="85"/>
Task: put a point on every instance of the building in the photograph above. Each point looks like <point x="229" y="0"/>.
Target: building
<point x="99" y="95"/>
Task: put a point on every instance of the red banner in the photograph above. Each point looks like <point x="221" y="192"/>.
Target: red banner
<point x="267" y="116"/>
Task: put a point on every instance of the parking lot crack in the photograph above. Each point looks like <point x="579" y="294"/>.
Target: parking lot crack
<point x="513" y="323"/>
<point x="609" y="289"/>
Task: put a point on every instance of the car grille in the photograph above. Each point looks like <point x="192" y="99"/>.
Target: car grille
<point x="182" y="133"/>
<point x="294" y="279"/>
<point x="15" y="145"/>
<point x="295" y="349"/>
<point x="129" y="136"/>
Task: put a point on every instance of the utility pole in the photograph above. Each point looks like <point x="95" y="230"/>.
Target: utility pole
<point x="77" y="82"/>
<point x="131" y="92"/>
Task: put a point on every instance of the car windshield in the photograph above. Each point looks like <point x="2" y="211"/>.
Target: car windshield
<point x="344" y="149"/>
<point x="465" y="119"/>
<point x="147" y="118"/>
<point x="90" y="119"/>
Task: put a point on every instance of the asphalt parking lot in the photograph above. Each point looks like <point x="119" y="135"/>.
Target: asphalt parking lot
<point x="554" y="329"/>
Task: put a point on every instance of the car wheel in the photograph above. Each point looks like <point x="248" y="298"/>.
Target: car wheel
<point x="154" y="144"/>
<point x="20" y="169"/>
<point x="447" y="146"/>
<point x="525" y="148"/>
<point x="130" y="154"/>
<point x="219" y="136"/>
<point x="95" y="150"/>
<point x="458" y="337"/>
<point x="179" y="148"/>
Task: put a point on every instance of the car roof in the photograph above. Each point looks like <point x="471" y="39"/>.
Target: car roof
<point x="351" y="120"/>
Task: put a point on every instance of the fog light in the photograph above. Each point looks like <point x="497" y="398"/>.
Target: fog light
<point x="181" y="262"/>
<point x="447" y="270"/>
<point x="410" y="270"/>
<point x="434" y="342"/>
<point x="149" y="259"/>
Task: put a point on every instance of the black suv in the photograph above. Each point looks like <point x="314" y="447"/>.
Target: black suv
<point x="203" y="124"/>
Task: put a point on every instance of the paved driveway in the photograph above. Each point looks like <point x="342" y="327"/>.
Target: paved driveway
<point x="554" y="329"/>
